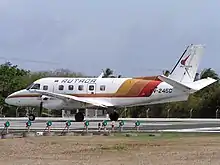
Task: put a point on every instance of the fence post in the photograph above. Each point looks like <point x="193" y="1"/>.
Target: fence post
<point x="168" y="113"/>
<point x="1" y="110"/>
<point x="147" y="112"/>
<point x="191" y="110"/>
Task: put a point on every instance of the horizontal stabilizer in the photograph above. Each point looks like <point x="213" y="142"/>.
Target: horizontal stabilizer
<point x="200" y="84"/>
<point x="188" y="87"/>
<point x="175" y="84"/>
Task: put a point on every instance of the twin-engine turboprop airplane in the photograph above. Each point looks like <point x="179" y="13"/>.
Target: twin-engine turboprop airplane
<point x="111" y="93"/>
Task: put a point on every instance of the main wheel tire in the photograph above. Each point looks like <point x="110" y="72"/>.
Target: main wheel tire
<point x="31" y="117"/>
<point x="79" y="117"/>
<point x="114" y="116"/>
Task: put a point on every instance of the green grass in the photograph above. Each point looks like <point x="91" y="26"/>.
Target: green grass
<point x="148" y="136"/>
<point x="145" y="137"/>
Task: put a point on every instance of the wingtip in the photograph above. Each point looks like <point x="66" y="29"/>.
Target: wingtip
<point x="214" y="80"/>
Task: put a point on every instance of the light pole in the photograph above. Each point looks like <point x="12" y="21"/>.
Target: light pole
<point x="216" y="113"/>
<point x="17" y="111"/>
<point x="168" y="113"/>
<point x="125" y="111"/>
<point x="1" y="111"/>
<point x="32" y="110"/>
<point x="147" y="112"/>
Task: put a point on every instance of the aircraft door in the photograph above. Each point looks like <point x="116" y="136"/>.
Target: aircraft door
<point x="91" y="88"/>
<point x="51" y="88"/>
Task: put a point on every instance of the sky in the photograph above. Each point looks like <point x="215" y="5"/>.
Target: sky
<point x="134" y="38"/>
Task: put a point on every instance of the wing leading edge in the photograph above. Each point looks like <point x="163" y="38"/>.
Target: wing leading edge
<point x="69" y="98"/>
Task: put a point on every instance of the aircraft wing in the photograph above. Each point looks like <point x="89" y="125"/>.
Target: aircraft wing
<point x="69" y="98"/>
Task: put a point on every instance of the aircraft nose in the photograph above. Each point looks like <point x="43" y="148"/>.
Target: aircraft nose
<point x="9" y="100"/>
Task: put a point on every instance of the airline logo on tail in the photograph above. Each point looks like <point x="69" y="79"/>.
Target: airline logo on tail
<point x="183" y="62"/>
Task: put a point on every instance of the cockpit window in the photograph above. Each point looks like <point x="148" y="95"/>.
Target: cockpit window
<point x="36" y="86"/>
<point x="33" y="86"/>
<point x="29" y="86"/>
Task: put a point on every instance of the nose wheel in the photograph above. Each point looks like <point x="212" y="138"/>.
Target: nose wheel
<point x="31" y="117"/>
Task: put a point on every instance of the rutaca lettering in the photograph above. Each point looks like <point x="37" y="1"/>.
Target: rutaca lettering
<point x="78" y="80"/>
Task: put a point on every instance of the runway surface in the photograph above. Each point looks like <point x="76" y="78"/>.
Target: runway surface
<point x="147" y="125"/>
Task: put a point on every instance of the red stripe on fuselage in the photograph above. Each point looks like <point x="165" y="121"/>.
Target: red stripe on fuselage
<point x="149" y="88"/>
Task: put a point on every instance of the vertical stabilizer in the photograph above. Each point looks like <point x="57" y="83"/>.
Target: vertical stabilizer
<point x="186" y="68"/>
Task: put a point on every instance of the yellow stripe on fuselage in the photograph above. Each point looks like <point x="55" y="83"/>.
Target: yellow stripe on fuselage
<point x="125" y="87"/>
<point x="137" y="88"/>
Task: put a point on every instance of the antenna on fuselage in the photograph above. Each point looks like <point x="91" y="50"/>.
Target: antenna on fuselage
<point x="101" y="75"/>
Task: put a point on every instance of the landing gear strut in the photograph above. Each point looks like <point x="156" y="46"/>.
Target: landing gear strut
<point x="79" y="117"/>
<point x="31" y="117"/>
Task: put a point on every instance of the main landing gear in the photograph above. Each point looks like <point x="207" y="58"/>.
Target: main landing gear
<point x="79" y="117"/>
<point x="113" y="116"/>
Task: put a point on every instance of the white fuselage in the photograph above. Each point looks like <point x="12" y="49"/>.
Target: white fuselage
<point x="115" y="92"/>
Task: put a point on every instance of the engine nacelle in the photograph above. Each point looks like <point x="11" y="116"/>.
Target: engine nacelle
<point x="53" y="104"/>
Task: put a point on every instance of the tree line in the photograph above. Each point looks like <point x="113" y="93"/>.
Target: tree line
<point x="202" y="104"/>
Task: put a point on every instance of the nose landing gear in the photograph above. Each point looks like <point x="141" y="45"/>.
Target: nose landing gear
<point x="31" y="117"/>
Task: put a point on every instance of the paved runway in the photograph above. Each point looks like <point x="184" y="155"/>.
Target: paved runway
<point x="146" y="126"/>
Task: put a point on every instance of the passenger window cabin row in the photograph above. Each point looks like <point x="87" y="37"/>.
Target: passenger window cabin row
<point x="70" y="87"/>
<point x="81" y="87"/>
